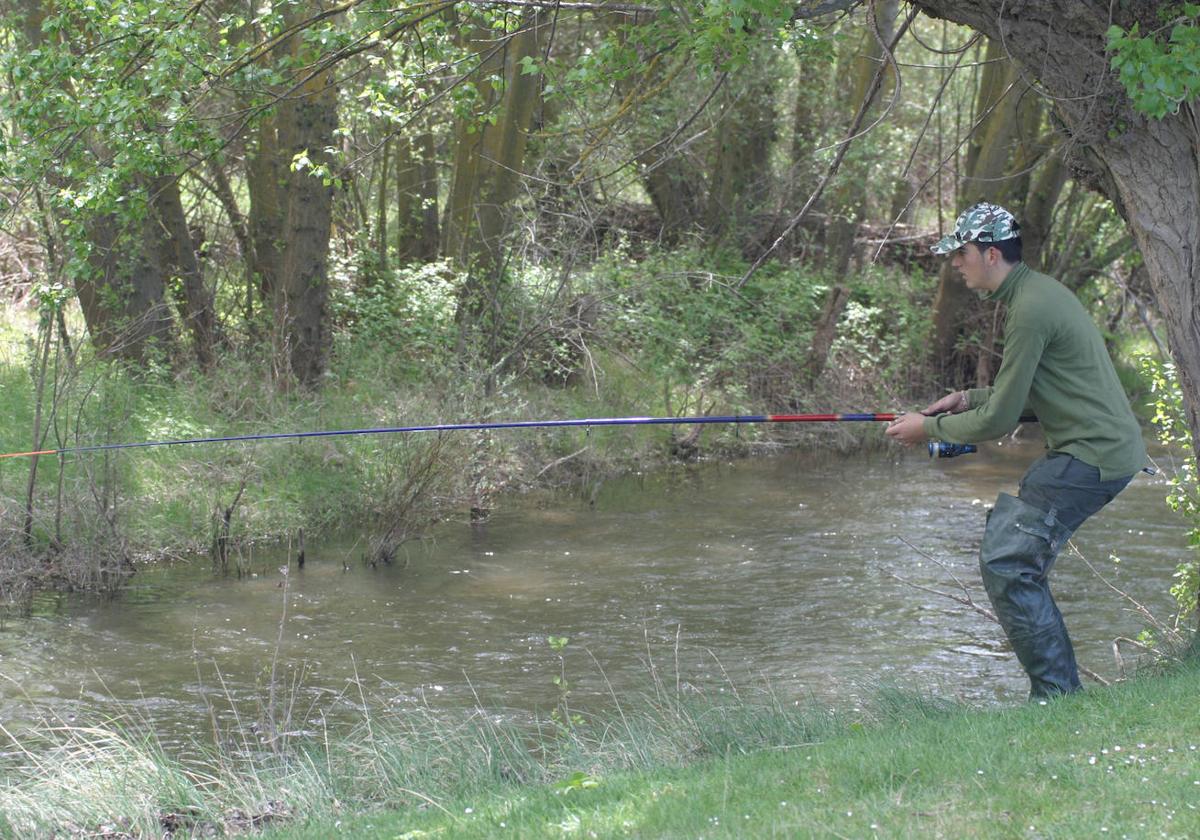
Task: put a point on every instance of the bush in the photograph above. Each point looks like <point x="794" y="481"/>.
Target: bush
<point x="409" y="310"/>
<point x="1184" y="497"/>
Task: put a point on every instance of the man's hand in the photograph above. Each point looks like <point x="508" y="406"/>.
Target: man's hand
<point x="953" y="403"/>
<point x="908" y="429"/>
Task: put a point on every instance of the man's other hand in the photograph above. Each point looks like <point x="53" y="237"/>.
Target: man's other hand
<point x="953" y="403"/>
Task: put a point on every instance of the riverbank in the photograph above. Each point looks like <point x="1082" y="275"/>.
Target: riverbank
<point x="96" y="517"/>
<point x="1118" y="761"/>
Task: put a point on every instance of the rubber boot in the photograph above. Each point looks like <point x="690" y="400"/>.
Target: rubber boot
<point x="1018" y="551"/>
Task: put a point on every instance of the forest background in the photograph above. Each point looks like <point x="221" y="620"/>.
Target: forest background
<point x="224" y="219"/>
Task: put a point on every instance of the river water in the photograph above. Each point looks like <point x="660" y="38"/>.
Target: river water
<point x="769" y="572"/>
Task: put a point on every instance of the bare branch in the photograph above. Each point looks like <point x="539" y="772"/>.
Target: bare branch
<point x="1139" y="607"/>
<point x="845" y="144"/>
<point x="627" y="8"/>
<point x="967" y="601"/>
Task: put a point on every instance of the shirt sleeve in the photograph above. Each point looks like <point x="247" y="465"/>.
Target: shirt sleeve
<point x="997" y="413"/>
<point x="978" y="396"/>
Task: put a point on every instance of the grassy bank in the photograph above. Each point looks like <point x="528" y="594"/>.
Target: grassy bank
<point x="1121" y="762"/>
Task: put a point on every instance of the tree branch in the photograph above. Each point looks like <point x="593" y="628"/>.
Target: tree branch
<point x="808" y="12"/>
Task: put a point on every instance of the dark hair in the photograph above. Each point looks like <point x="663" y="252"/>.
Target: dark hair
<point x="1010" y="249"/>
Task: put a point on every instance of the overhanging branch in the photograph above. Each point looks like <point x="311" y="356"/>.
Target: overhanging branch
<point x="808" y="11"/>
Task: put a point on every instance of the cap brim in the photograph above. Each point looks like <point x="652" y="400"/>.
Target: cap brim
<point x="945" y="245"/>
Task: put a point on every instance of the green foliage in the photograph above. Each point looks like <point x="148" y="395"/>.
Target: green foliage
<point x="885" y="328"/>
<point x="690" y="323"/>
<point x="1184" y="497"/>
<point x="562" y="718"/>
<point x="1160" y="74"/>
<point x="408" y="310"/>
<point x="577" y="781"/>
<point x="106" y="97"/>
<point x="711" y="37"/>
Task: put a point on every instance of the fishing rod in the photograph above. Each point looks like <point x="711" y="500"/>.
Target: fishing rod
<point x="939" y="449"/>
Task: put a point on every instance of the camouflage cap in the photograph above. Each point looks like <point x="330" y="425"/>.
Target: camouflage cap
<point x="982" y="222"/>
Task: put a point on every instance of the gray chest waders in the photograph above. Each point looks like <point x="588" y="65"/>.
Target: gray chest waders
<point x="1018" y="551"/>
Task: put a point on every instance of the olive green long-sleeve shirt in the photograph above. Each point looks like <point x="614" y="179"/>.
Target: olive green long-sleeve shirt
<point x="1056" y="364"/>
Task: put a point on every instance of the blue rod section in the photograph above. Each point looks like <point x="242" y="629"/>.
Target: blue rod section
<point x="443" y="427"/>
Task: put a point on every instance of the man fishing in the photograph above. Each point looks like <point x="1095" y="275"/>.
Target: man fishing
<point x="1056" y="366"/>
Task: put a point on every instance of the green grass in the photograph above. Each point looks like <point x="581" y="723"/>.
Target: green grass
<point x="1113" y="762"/>
<point x="1119" y="762"/>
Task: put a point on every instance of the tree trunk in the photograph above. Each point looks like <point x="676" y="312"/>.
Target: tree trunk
<point x="416" y="199"/>
<point x="674" y="192"/>
<point x="1149" y="168"/>
<point x="428" y="191"/>
<point x="744" y="139"/>
<point x="488" y="160"/>
<point x="381" y="208"/>
<point x="807" y="121"/>
<point x="264" y="171"/>
<point x="674" y="186"/>
<point x="848" y="203"/>
<point x="223" y="191"/>
<point x="985" y="161"/>
<point x="1044" y="192"/>
<point x="123" y="296"/>
<point x="1158" y="181"/>
<point x="489" y="154"/>
<point x="1006" y="145"/>
<point x="826" y="331"/>
<point x="197" y="309"/>
<point x="306" y="126"/>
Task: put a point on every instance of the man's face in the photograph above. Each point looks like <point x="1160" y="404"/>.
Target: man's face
<point x="970" y="263"/>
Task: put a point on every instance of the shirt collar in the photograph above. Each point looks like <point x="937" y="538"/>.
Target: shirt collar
<point x="1009" y="285"/>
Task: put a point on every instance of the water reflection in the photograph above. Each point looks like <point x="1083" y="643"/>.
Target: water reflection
<point x="779" y="571"/>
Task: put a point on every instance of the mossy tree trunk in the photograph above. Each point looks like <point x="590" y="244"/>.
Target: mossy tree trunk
<point x="999" y="166"/>
<point x="489" y="153"/>
<point x="264" y="169"/>
<point x="197" y="309"/>
<point x="739" y="174"/>
<point x="995" y="118"/>
<point x="123" y="296"/>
